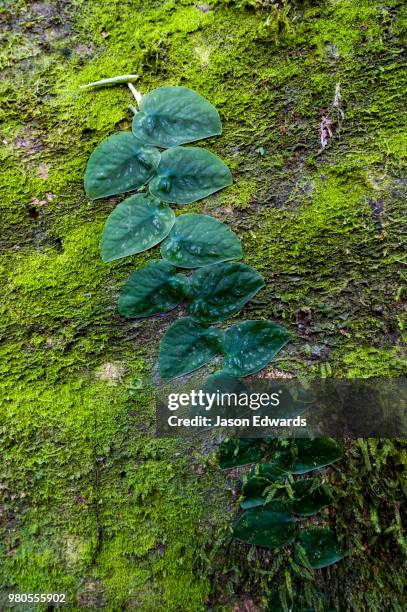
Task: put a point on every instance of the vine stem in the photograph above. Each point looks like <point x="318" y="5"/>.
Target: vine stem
<point x="118" y="80"/>
<point x="137" y="95"/>
<point x="124" y="78"/>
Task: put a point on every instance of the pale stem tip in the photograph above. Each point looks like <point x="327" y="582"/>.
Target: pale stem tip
<point x="137" y="95"/>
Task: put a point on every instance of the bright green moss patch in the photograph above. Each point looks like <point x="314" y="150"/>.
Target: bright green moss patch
<point x="90" y="488"/>
<point x="92" y="504"/>
<point x="369" y="361"/>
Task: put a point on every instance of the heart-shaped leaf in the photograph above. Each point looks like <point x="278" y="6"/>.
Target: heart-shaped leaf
<point x="309" y="497"/>
<point x="321" y="547"/>
<point x="251" y="345"/>
<point x="170" y="116"/>
<point x="200" y="240"/>
<point x="240" y="350"/>
<point x="220" y="381"/>
<point x="187" y="174"/>
<point x="235" y="452"/>
<point x="253" y="501"/>
<point x="154" y="288"/>
<point x="185" y="347"/>
<point x="135" y="225"/>
<point x="313" y="454"/>
<point x="269" y="527"/>
<point x="257" y="481"/>
<point x="119" y="163"/>
<point x="218" y="384"/>
<point x="216" y="292"/>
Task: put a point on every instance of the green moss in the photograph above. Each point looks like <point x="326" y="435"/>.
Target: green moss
<point x="374" y="362"/>
<point x="94" y="504"/>
<point x="88" y="487"/>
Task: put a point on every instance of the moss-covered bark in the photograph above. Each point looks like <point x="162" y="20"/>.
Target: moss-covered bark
<point x="91" y="503"/>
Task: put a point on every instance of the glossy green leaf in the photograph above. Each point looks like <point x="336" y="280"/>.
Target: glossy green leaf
<point x="269" y="527"/>
<point x="321" y="547"/>
<point x="222" y="383"/>
<point x="187" y="174"/>
<point x="170" y="116"/>
<point x="309" y="497"/>
<point x="119" y="163"/>
<point x="200" y="240"/>
<point x="135" y="225"/>
<point x="235" y="452"/>
<point x="251" y="345"/>
<point x="314" y="454"/>
<point x="257" y="481"/>
<point x="185" y="347"/>
<point x="154" y="288"/>
<point x="213" y="292"/>
<point x="253" y="501"/>
<point x="216" y="292"/>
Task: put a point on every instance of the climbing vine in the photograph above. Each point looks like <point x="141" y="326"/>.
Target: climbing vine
<point x="152" y="161"/>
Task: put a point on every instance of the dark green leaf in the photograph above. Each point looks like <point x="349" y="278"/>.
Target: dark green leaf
<point x="170" y="116"/>
<point x="321" y="547"/>
<point x="187" y="174"/>
<point x="309" y="497"/>
<point x="135" y="225"/>
<point x="270" y="527"/>
<point x="314" y="454"/>
<point x="235" y="452"/>
<point x="222" y="383"/>
<point x="216" y="292"/>
<point x="119" y="163"/>
<point x="251" y="345"/>
<point x="218" y="382"/>
<point x="154" y="288"/>
<point x="257" y="481"/>
<point x="199" y="240"/>
<point x="253" y="501"/>
<point x="185" y="347"/>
